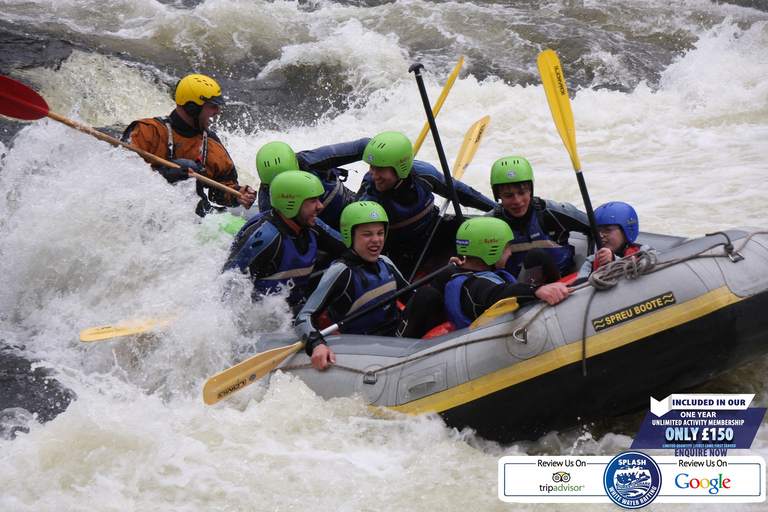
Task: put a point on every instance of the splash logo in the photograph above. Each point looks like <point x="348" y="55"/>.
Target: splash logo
<point x="374" y="215"/>
<point x="632" y="480"/>
<point x="511" y="175"/>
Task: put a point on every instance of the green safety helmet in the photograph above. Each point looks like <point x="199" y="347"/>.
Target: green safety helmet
<point x="274" y="158"/>
<point x="198" y="89"/>
<point x="363" y="212"/>
<point x="484" y="238"/>
<point x="390" y="149"/>
<point x="290" y="188"/>
<point x="510" y="169"/>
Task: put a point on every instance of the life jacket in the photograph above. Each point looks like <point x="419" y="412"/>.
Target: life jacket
<point x="409" y="221"/>
<point x="294" y="270"/>
<point x="334" y="198"/>
<point x="369" y="288"/>
<point x="452" y="295"/>
<point x="631" y="249"/>
<point x="535" y="232"/>
<point x="203" y="147"/>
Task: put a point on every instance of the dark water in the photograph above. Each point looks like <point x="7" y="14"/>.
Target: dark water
<point x="615" y="45"/>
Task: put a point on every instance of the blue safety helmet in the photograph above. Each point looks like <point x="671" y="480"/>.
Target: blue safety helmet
<point x="619" y="213"/>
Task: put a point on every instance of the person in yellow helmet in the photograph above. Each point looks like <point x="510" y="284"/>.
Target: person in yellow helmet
<point x="185" y="138"/>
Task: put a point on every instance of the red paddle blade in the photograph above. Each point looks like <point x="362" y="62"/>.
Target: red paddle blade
<point x="19" y="101"/>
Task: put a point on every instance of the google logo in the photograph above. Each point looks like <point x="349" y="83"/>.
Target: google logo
<point x="713" y="484"/>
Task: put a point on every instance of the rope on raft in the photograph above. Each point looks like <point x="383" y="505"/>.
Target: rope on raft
<point x="604" y="278"/>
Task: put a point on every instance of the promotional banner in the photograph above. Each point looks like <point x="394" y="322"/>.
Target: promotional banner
<point x="697" y="429"/>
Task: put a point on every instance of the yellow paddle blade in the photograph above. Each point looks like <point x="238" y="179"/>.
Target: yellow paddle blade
<point x="124" y="328"/>
<point x="503" y="306"/>
<point x="438" y="105"/>
<point x="249" y="371"/>
<point x="469" y="146"/>
<point x="557" y="95"/>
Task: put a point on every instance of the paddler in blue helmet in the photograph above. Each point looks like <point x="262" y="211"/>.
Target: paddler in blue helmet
<point x="282" y="247"/>
<point x="618" y="226"/>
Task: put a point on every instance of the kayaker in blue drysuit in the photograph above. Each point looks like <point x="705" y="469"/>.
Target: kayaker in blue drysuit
<point x="282" y="247"/>
<point x="618" y="226"/>
<point x="406" y="189"/>
<point x="324" y="162"/>
<point x="361" y="277"/>
<point x="541" y="252"/>
<point x="480" y="282"/>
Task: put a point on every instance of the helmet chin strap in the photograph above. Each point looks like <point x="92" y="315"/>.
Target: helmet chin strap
<point x="194" y="110"/>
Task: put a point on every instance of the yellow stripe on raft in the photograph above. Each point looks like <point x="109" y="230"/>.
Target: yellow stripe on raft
<point x="618" y="336"/>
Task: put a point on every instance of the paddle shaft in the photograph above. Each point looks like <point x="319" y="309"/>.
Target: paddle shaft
<point x="466" y="153"/>
<point x="416" y="69"/>
<point x="22" y="102"/>
<point x="560" y="105"/>
<point x="252" y="369"/>
<point x="438" y="106"/>
<point x="146" y="155"/>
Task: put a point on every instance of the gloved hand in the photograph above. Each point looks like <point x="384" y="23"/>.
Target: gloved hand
<point x="173" y="174"/>
<point x="313" y="340"/>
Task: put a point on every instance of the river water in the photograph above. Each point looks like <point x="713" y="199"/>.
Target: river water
<point x="670" y="102"/>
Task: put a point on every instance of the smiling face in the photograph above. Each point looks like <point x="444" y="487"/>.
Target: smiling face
<point x="209" y="111"/>
<point x="612" y="236"/>
<point x="368" y="240"/>
<point x="310" y="209"/>
<point x="515" y="198"/>
<point x="384" y="178"/>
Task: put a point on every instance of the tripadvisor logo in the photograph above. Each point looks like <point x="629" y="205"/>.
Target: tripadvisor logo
<point x="632" y="480"/>
<point x="561" y="479"/>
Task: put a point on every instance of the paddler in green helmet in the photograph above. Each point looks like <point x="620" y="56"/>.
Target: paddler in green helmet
<point x="541" y="227"/>
<point x="281" y="248"/>
<point x="324" y="162"/>
<point x="483" y="243"/>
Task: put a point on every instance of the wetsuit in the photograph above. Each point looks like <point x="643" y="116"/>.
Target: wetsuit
<point x="590" y="265"/>
<point x="411" y="209"/>
<point x="275" y="254"/>
<point x="468" y="294"/>
<point x="185" y="141"/>
<point x="546" y="226"/>
<point x="349" y="285"/>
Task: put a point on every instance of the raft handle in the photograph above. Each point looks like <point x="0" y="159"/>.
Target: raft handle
<point x="524" y="339"/>
<point x="370" y="378"/>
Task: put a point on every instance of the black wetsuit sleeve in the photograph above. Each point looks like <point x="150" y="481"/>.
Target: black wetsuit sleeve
<point x="479" y="293"/>
<point x="325" y="158"/>
<point x="265" y="262"/>
<point x="467" y="196"/>
<point x="329" y="240"/>
<point x="335" y="293"/>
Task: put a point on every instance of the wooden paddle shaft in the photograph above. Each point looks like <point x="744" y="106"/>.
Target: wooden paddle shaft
<point x="148" y="156"/>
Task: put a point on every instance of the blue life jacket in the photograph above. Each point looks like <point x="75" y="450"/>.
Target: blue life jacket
<point x="535" y="232"/>
<point x="409" y="221"/>
<point x="369" y="288"/>
<point x="452" y="295"/>
<point x="333" y="199"/>
<point x="295" y="268"/>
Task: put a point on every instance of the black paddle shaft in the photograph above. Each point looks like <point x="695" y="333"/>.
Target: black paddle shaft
<point x="393" y="297"/>
<point x="416" y="70"/>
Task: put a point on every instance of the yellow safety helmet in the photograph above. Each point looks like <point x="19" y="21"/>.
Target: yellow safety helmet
<point x="198" y="89"/>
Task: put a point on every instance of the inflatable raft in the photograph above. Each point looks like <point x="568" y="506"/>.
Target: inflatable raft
<point x="671" y="323"/>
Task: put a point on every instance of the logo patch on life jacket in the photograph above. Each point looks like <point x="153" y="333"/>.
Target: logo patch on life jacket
<point x="633" y="311"/>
